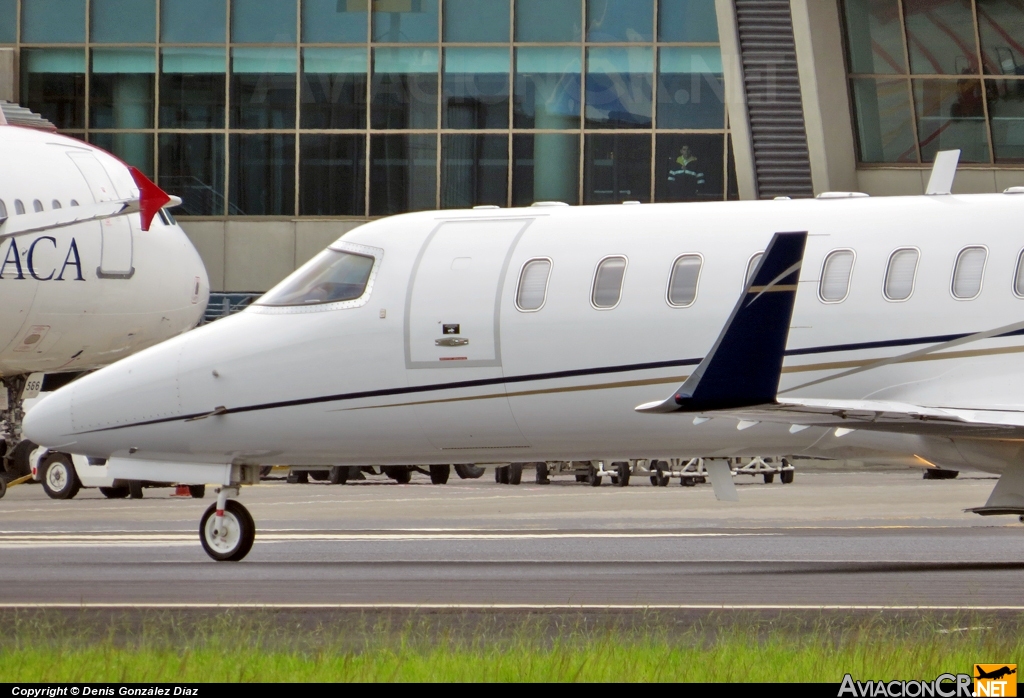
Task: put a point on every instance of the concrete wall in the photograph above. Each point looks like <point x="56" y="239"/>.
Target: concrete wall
<point x="252" y="256"/>
<point x="8" y="75"/>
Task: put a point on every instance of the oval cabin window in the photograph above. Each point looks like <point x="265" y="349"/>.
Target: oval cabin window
<point x="19" y="208"/>
<point x="682" y="286"/>
<point x="1018" y="279"/>
<point x="37" y="205"/>
<point x="3" y="209"/>
<point x="835" y="276"/>
<point x="901" y="274"/>
<point x="533" y="285"/>
<point x="969" y="272"/>
<point x="55" y="204"/>
<point x="608" y="283"/>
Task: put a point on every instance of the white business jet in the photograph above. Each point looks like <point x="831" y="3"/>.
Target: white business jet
<point x="92" y="268"/>
<point x="497" y="336"/>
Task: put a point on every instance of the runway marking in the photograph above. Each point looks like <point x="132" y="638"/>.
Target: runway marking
<point x="86" y="605"/>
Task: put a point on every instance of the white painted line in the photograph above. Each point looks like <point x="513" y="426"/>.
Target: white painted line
<point x="501" y="607"/>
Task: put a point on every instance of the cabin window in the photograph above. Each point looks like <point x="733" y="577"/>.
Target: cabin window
<point x="969" y="272"/>
<point x="608" y="283"/>
<point x="74" y="203"/>
<point x="533" y="285"/>
<point x="330" y="277"/>
<point x="3" y="209"/>
<point x="19" y="208"/>
<point x="682" y="285"/>
<point x="901" y="274"/>
<point x="1018" y="279"/>
<point x="836" y="272"/>
<point x="751" y="266"/>
<point x="37" y="206"/>
<point x="55" y="205"/>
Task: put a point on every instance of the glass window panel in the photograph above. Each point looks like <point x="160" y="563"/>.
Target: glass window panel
<point x="474" y="170"/>
<point x="53" y="85"/>
<point x="122" y="88"/>
<point x="333" y="88"/>
<point x="192" y="87"/>
<point x="263" y="88"/>
<point x="533" y="285"/>
<point x="969" y="272"/>
<point x="835" y="276"/>
<point x="332" y="175"/>
<point x="192" y="168"/>
<point x="874" y="37"/>
<point x="8" y="22"/>
<point x="404" y="88"/>
<point x="547" y="91"/>
<point x="619" y="90"/>
<point x="1018" y="278"/>
<point x="330" y="277"/>
<point x="476" y="21"/>
<point x="334" y="21"/>
<point x="616" y="168"/>
<point x="3" y="209"/>
<point x="608" y="283"/>
<point x="134" y="148"/>
<point x="193" y="21"/>
<point x="545" y="167"/>
<point x="682" y="285"/>
<point x="53" y="21"/>
<point x="476" y="87"/>
<point x="620" y="20"/>
<point x="691" y="88"/>
<point x="687" y="20"/>
<point x="901" y="274"/>
<point x="405" y="21"/>
<point x="549" y="20"/>
<point x="884" y="120"/>
<point x="1001" y="25"/>
<point x="940" y="35"/>
<point x="950" y="115"/>
<point x="689" y="167"/>
<point x="403" y="174"/>
<point x="123" y="21"/>
<point x="262" y="180"/>
<point x="1006" y="112"/>
<point x="263" y="21"/>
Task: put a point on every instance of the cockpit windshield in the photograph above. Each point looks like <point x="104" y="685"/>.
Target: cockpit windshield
<point x="331" y="276"/>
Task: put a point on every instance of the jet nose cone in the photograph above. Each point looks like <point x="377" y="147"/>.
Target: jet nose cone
<point x="48" y="422"/>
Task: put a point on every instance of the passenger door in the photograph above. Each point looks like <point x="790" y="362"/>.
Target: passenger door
<point x="116" y="233"/>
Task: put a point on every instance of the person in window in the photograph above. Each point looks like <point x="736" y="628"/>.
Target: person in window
<point x="684" y="174"/>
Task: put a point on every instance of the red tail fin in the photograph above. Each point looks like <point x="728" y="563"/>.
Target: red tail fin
<point x="151" y="197"/>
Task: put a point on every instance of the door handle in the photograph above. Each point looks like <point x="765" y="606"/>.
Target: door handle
<point x="451" y="342"/>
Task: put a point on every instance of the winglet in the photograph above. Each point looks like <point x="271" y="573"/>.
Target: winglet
<point x="943" y="173"/>
<point x="743" y="367"/>
<point x="151" y="197"/>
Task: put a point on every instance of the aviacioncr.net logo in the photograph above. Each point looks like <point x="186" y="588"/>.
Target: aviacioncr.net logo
<point x="945" y="686"/>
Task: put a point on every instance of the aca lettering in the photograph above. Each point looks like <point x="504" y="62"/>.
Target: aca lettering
<point x="25" y="260"/>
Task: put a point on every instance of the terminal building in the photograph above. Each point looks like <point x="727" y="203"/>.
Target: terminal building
<point x="284" y="123"/>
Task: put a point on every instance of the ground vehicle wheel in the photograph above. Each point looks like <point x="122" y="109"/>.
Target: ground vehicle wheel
<point x="515" y="473"/>
<point x="3" y="486"/>
<point x="543" y="477"/>
<point x="940" y="474"/>
<point x="399" y="473"/>
<point x="501" y="475"/>
<point x="658" y="477"/>
<point x="593" y="478"/>
<point x="439" y="474"/>
<point x="135" y="489"/>
<point x="339" y="475"/>
<point x="197" y="491"/>
<point x="115" y="492"/>
<point x="320" y="475"/>
<point x="786" y="476"/>
<point x="297" y="477"/>
<point x="622" y="474"/>
<point x="469" y="471"/>
<point x="769" y="478"/>
<point x="59" y="478"/>
<point x="232" y="542"/>
<point x="688" y="481"/>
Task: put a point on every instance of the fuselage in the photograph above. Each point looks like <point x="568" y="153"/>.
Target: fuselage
<point x="82" y="296"/>
<point x="386" y="379"/>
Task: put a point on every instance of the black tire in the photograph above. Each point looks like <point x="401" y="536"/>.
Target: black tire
<point x="135" y="489"/>
<point x="402" y="474"/>
<point x="3" y="486"/>
<point x="501" y="475"/>
<point x="339" y="475"/>
<point x="769" y="478"/>
<point x="786" y="477"/>
<point x="115" y="492"/>
<point x="245" y="533"/>
<point x="197" y="491"/>
<point x="940" y="474"/>
<point x="593" y="479"/>
<point x="658" y="477"/>
<point x="622" y="474"/>
<point x="297" y="477"/>
<point x="468" y="471"/>
<point x="59" y="478"/>
<point x="515" y="473"/>
<point x="688" y="481"/>
<point x="320" y="475"/>
<point x="543" y="476"/>
<point x="439" y="474"/>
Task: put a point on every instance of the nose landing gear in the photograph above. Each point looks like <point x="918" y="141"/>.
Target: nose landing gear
<point x="227" y="530"/>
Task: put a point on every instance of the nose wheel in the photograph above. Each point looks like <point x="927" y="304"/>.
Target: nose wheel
<point x="227" y="531"/>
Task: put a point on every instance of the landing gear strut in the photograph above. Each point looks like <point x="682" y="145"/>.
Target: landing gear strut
<point x="227" y="530"/>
